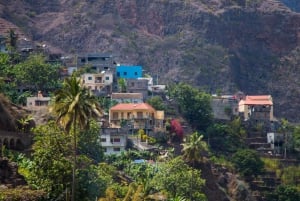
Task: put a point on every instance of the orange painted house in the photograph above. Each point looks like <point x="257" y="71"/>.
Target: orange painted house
<point x="138" y="115"/>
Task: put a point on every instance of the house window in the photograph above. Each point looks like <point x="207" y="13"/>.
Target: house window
<point x="118" y="74"/>
<point x="90" y="78"/>
<point x="124" y="73"/>
<point x="106" y="78"/>
<point x="122" y="115"/>
<point x="132" y="84"/>
<point x="116" y="140"/>
<point x="140" y="115"/>
<point x="135" y="73"/>
<point x="115" y="115"/>
<point x="103" y="139"/>
<point x="117" y="149"/>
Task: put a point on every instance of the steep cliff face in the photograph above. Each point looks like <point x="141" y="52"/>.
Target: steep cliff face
<point x="213" y="44"/>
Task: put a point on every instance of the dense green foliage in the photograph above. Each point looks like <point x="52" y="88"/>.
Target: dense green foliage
<point x="194" y="148"/>
<point x="178" y="179"/>
<point x="248" y="162"/>
<point x="226" y="138"/>
<point x="51" y="168"/>
<point x="193" y="104"/>
<point x="156" y="102"/>
<point x="36" y="74"/>
<point x="284" y="193"/>
<point x="32" y="75"/>
<point x="296" y="138"/>
<point x="88" y="143"/>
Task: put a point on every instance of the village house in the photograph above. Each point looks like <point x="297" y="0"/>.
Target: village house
<point x="97" y="61"/>
<point x="127" y="97"/>
<point x="136" y="115"/>
<point x="99" y="83"/>
<point x="224" y="107"/>
<point x="128" y="72"/>
<point x="138" y="86"/>
<point x="113" y="140"/>
<point x="258" y="108"/>
<point x="37" y="101"/>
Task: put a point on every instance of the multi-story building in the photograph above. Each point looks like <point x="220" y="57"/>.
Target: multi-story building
<point x="97" y="61"/>
<point x="113" y="140"/>
<point x="137" y="115"/>
<point x="99" y="83"/>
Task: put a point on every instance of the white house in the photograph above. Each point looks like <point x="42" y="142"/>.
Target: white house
<point x="99" y="82"/>
<point x="113" y="140"/>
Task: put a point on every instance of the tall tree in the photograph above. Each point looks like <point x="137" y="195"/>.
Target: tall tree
<point x="74" y="106"/>
<point x="36" y="74"/>
<point x="50" y="169"/>
<point x="192" y="150"/>
<point x="193" y="104"/>
<point x="174" y="178"/>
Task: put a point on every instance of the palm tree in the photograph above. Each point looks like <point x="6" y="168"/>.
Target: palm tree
<point x="192" y="151"/>
<point x="193" y="148"/>
<point x="178" y="198"/>
<point x="74" y="106"/>
<point x="25" y="121"/>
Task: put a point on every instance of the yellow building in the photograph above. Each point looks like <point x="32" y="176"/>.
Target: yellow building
<point x="136" y="115"/>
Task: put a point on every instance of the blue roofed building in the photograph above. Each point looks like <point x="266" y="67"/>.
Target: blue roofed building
<point x="129" y="72"/>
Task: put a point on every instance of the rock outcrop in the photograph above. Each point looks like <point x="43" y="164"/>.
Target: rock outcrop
<point x="9" y="176"/>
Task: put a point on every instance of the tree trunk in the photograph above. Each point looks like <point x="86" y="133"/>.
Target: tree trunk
<point x="74" y="158"/>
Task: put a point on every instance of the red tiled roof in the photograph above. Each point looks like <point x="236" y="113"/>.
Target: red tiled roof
<point x="258" y="100"/>
<point x="263" y="102"/>
<point x="132" y="106"/>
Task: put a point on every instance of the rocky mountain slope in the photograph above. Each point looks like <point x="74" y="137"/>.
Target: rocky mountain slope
<point x="228" y="45"/>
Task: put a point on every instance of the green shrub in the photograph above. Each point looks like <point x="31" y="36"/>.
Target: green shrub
<point x="248" y="162"/>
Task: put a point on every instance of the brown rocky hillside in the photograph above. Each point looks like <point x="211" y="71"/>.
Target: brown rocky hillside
<point x="251" y="46"/>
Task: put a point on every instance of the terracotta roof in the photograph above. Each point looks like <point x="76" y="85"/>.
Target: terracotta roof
<point x="259" y="97"/>
<point x="132" y="106"/>
<point x="258" y="100"/>
<point x="126" y="95"/>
